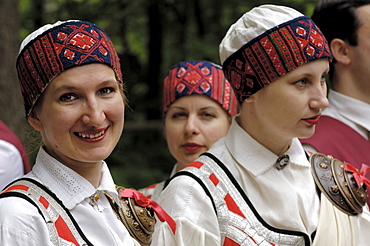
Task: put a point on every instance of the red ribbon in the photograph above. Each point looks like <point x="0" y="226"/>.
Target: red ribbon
<point x="145" y="202"/>
<point x="359" y="175"/>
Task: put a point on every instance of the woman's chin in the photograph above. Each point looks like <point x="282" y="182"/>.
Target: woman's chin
<point x="306" y="135"/>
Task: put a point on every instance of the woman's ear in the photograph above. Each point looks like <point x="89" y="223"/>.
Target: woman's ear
<point x="35" y="122"/>
<point x="340" y="51"/>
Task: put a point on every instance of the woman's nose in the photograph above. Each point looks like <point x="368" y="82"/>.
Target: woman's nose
<point x="93" y="113"/>
<point x="191" y="126"/>
<point x="319" y="99"/>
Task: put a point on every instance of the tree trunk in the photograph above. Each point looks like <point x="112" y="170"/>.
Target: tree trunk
<point x="155" y="59"/>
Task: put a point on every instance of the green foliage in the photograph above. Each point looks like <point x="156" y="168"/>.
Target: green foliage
<point x="141" y="158"/>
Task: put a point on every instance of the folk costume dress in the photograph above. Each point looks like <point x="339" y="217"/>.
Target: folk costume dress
<point x="240" y="193"/>
<point x="256" y="203"/>
<point x="53" y="205"/>
<point x="96" y="218"/>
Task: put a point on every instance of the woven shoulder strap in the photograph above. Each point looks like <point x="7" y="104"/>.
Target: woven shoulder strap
<point x="63" y="229"/>
<point x="239" y="221"/>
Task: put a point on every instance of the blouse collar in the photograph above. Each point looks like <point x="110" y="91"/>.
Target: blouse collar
<point x="258" y="159"/>
<point x="70" y="187"/>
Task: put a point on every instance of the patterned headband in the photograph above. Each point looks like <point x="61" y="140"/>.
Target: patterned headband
<point x="201" y="78"/>
<point x="273" y="54"/>
<point x="62" y="46"/>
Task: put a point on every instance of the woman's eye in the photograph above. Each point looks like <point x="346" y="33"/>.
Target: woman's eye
<point x="301" y="82"/>
<point x="67" y="97"/>
<point x="106" y="90"/>
<point x="178" y="115"/>
<point x="323" y="78"/>
<point x="207" y="115"/>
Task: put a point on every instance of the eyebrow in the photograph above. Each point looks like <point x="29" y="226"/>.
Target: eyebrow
<point x="208" y="107"/>
<point x="176" y="107"/>
<point x="309" y="74"/>
<point x="182" y="108"/>
<point x="68" y="87"/>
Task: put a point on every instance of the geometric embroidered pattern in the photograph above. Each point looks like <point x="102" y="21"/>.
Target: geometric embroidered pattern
<point x="273" y="54"/>
<point x="65" y="46"/>
<point x="202" y="78"/>
<point x="238" y="220"/>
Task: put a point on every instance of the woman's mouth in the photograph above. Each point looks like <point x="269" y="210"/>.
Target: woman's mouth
<point x="92" y="136"/>
<point x="313" y="120"/>
<point x="191" y="147"/>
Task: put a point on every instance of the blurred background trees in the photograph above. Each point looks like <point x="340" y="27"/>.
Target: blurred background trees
<point x="150" y="36"/>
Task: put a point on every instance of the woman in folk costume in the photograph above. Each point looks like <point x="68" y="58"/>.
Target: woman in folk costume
<point x="72" y="89"/>
<point x="255" y="186"/>
<point x="198" y="104"/>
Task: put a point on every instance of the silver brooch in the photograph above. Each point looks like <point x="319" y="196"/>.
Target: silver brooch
<point x="94" y="201"/>
<point x="281" y="162"/>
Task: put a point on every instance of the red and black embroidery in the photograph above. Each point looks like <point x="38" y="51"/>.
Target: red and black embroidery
<point x="62" y="47"/>
<point x="202" y="78"/>
<point x="273" y="54"/>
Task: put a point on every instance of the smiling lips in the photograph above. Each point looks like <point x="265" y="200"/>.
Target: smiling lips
<point x="313" y="120"/>
<point x="92" y="136"/>
<point x="191" y="147"/>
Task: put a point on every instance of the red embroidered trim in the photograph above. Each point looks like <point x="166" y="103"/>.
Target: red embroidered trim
<point x="196" y="164"/>
<point x="273" y="54"/>
<point x="64" y="232"/>
<point x="58" y="49"/>
<point x="16" y="187"/>
<point x="199" y="78"/>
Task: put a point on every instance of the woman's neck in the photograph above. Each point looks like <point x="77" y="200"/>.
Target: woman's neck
<point x="91" y="171"/>
<point x="269" y="139"/>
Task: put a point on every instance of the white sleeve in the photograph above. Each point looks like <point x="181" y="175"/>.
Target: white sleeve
<point x="364" y="227"/>
<point x="21" y="224"/>
<point x="11" y="163"/>
<point x="187" y="203"/>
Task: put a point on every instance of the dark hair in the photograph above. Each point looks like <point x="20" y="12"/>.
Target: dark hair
<point x="338" y="19"/>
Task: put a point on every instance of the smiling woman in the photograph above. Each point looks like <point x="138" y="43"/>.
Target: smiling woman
<point x="71" y="84"/>
<point x="88" y="101"/>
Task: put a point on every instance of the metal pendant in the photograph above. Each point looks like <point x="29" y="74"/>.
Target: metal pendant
<point x="281" y="162"/>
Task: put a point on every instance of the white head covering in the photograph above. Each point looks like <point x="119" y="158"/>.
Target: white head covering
<point x="252" y="24"/>
<point x="266" y="43"/>
<point x="40" y="31"/>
